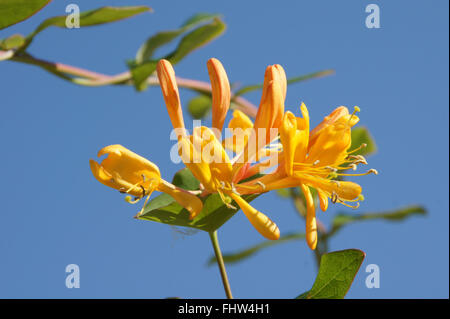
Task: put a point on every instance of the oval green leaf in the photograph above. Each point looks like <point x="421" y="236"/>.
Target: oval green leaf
<point x="200" y="106"/>
<point x="92" y="17"/>
<point x="15" y="11"/>
<point x="336" y="273"/>
<point x="188" y="43"/>
<point x="361" y="135"/>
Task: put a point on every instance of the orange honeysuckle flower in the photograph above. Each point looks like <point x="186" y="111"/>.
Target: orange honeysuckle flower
<point x="132" y="174"/>
<point x="304" y="158"/>
<point x="268" y="117"/>
<point x="207" y="159"/>
<point x="314" y="160"/>
<point x="210" y="164"/>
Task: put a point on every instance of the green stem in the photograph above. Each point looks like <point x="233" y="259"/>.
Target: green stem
<point x="223" y="272"/>
<point x="90" y="78"/>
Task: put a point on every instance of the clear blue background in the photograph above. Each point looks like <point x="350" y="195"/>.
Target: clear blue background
<point x="54" y="213"/>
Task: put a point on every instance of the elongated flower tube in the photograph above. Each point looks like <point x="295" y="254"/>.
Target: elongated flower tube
<point x="271" y="107"/>
<point x="221" y="93"/>
<point x="169" y="88"/>
<point x="205" y="156"/>
<point x="263" y="224"/>
<point x="294" y="135"/>
<point x="268" y="118"/>
<point x="132" y="174"/>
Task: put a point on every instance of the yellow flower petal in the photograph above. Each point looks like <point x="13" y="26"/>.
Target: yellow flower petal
<point x="343" y="189"/>
<point x="192" y="158"/>
<point x="288" y="134"/>
<point x="240" y="128"/>
<point x="189" y="201"/>
<point x="126" y="171"/>
<point x="240" y="120"/>
<point x="323" y="200"/>
<point x="311" y="223"/>
<point x="263" y="224"/>
<point x="328" y="120"/>
<point x="303" y="132"/>
<point x="213" y="153"/>
<point x="331" y="145"/>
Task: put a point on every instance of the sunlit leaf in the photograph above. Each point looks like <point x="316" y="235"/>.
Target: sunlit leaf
<point x="184" y="179"/>
<point x="164" y="209"/>
<point x="199" y="106"/>
<point x="361" y="135"/>
<point x="92" y="17"/>
<point x="336" y="273"/>
<point x="342" y="219"/>
<point x="284" y="192"/>
<point x="301" y="78"/>
<point x="15" y="11"/>
<point x="188" y="43"/>
<point x="147" y="50"/>
<point x="13" y="42"/>
<point x="196" y="39"/>
<point x="241" y="255"/>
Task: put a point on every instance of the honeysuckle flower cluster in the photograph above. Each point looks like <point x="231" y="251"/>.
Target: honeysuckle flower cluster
<point x="277" y="150"/>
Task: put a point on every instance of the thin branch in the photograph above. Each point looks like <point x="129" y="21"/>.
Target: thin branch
<point x="90" y="78"/>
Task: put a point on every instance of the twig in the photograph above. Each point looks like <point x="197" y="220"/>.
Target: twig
<point x="90" y="78"/>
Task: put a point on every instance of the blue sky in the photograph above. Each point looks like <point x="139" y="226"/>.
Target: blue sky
<point x="54" y="213"/>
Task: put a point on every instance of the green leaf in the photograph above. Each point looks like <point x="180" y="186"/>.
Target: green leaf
<point x="92" y="17"/>
<point x="336" y="273"/>
<point x="15" y="11"/>
<point x="196" y="39"/>
<point x="303" y="295"/>
<point x="239" y="256"/>
<point x="361" y="135"/>
<point x="200" y="106"/>
<point x="141" y="72"/>
<point x="191" y="41"/>
<point x="284" y="192"/>
<point x="164" y="209"/>
<point x="301" y="78"/>
<point x="147" y="50"/>
<point x="13" y="42"/>
<point x="341" y="220"/>
<point x="184" y="179"/>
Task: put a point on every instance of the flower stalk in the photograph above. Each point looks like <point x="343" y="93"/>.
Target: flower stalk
<point x="219" y="258"/>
